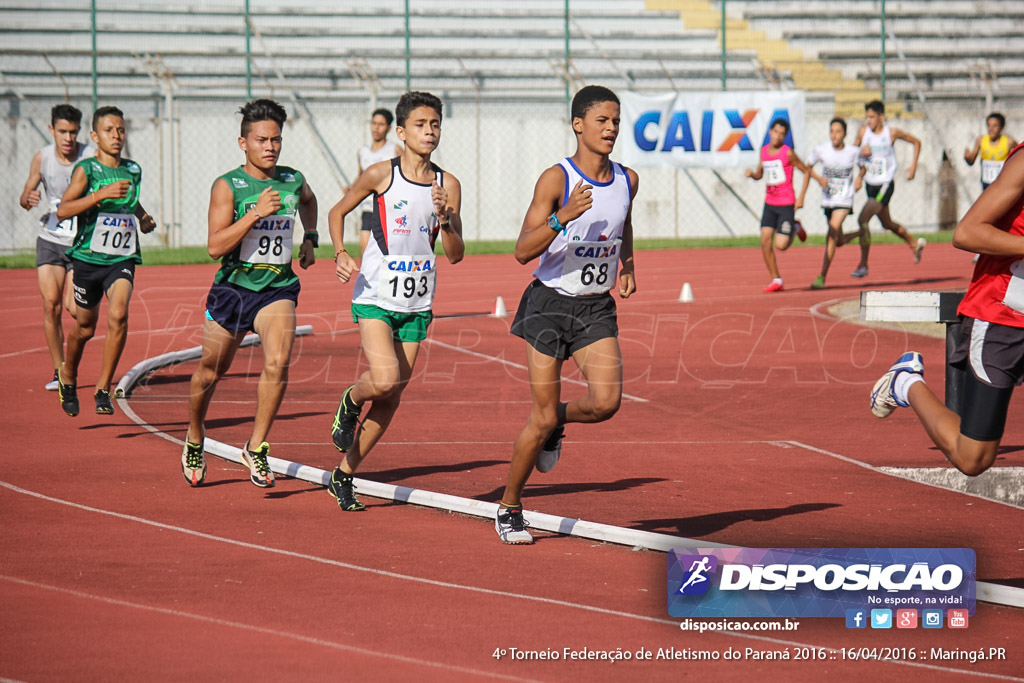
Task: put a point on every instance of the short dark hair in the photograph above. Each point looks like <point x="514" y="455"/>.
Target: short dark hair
<point x="261" y="110"/>
<point x="386" y="113"/>
<point x="780" y="122"/>
<point x="588" y="97"/>
<point x="876" y="106"/>
<point x="412" y="100"/>
<point x="841" y="121"/>
<point x="65" y="112"/>
<point x="998" y="117"/>
<point x="105" y="111"/>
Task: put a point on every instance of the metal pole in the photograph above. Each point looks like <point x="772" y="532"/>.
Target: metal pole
<point x="724" y="84"/>
<point x="95" y="88"/>
<point x="408" y="77"/>
<point x="565" y="31"/>
<point x="248" y="54"/>
<point x="883" y="50"/>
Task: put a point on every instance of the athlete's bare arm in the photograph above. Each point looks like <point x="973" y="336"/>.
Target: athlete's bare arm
<point x="30" y="195"/>
<point x="627" y="274"/>
<point x="73" y="202"/>
<point x="977" y="231"/>
<point x="971" y="153"/>
<point x="860" y="137"/>
<point x="756" y="173"/>
<point x="225" y="233"/>
<point x="898" y="134"/>
<point x="373" y="179"/>
<point x="536" y="235"/>
<point x="447" y="201"/>
<point x="146" y="222"/>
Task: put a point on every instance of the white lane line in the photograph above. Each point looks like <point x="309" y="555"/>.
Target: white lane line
<point x="258" y="629"/>
<point x="450" y="585"/>
<point x="866" y="466"/>
<point x="518" y="366"/>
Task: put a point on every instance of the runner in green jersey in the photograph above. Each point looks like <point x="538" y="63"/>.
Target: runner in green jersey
<point x="104" y="194"/>
<point x="251" y="227"/>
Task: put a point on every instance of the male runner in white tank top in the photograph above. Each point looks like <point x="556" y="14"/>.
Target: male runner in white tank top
<point x="580" y="225"/>
<point x="52" y="166"/>
<point x="876" y="141"/>
<point x="379" y="149"/>
<point x="413" y="202"/>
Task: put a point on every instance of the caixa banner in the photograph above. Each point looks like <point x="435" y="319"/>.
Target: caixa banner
<point x="817" y="582"/>
<point x="705" y="129"/>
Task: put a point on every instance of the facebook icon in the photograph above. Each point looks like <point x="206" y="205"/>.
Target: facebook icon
<point x="856" y="618"/>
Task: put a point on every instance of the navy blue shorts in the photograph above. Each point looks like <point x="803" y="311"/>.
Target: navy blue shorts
<point x="235" y="308"/>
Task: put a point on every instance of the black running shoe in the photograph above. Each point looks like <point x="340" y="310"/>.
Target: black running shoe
<point x="103" y="404"/>
<point x="68" y="395"/>
<point x="343" y="431"/>
<point x="341" y="488"/>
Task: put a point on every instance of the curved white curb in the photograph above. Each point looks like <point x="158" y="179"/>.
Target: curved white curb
<point x="635" y="538"/>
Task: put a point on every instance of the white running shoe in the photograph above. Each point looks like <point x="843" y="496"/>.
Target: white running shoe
<point x="883" y="396"/>
<point x="511" y="526"/>
<point x="52" y="384"/>
<point x="921" y="242"/>
<point x="193" y="463"/>
<point x="551" y="450"/>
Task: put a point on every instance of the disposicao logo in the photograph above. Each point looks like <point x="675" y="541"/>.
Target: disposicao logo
<point x="818" y="582"/>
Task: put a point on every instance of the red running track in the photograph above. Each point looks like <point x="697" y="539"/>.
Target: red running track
<point x="754" y="419"/>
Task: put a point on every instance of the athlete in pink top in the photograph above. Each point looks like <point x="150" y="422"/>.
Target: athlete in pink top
<point x="776" y="166"/>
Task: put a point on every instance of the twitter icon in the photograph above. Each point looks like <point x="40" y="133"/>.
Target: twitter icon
<point x="881" y="618"/>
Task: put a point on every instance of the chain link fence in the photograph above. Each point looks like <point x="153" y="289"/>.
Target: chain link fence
<point x="505" y="74"/>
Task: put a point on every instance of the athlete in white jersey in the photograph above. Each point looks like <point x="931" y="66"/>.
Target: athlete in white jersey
<point x="839" y="179"/>
<point x="379" y="149"/>
<point x="580" y="225"/>
<point x="878" y="158"/>
<point x="414" y="201"/>
<point x="52" y="166"/>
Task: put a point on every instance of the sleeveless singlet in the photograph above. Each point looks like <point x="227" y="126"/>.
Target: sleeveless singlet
<point x="56" y="178"/>
<point x="778" y="176"/>
<point x="993" y="154"/>
<point x="398" y="270"/>
<point x="882" y="162"/>
<point x="585" y="258"/>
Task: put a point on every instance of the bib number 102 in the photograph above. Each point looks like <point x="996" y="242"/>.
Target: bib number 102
<point x="117" y="239"/>
<point x="592" y="273"/>
<point x="270" y="245"/>
<point x="409" y="286"/>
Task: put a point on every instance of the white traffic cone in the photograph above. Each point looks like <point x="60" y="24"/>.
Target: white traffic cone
<point x="686" y="296"/>
<point x="499" y="308"/>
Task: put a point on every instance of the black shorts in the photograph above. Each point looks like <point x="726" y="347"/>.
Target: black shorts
<point x="880" y="193"/>
<point x="779" y="218"/>
<point x="558" y="325"/>
<point x="235" y="308"/>
<point x="367" y="221"/>
<point x="992" y="359"/>
<point x="91" y="282"/>
<point x="829" y="210"/>
<point x="51" y="254"/>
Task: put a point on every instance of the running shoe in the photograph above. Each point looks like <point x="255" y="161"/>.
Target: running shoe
<point x="52" y="384"/>
<point x="342" y="488"/>
<point x="551" y="450"/>
<point x="103" y="404"/>
<point x="883" y="395"/>
<point x="68" y="395"/>
<point x="774" y="287"/>
<point x="921" y="242"/>
<point x="193" y="463"/>
<point x="800" y="232"/>
<point x="259" y="469"/>
<point x="343" y="431"/>
<point x="862" y="271"/>
<point x="819" y="282"/>
<point x="511" y="526"/>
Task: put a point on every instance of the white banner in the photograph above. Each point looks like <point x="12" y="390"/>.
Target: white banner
<point x="706" y="129"/>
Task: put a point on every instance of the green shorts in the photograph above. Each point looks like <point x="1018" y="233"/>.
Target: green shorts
<point x="406" y="327"/>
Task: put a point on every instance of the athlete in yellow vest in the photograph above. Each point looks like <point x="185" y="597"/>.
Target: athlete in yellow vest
<point x="994" y="148"/>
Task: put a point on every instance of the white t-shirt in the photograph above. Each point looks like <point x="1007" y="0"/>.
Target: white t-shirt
<point x="839" y="168"/>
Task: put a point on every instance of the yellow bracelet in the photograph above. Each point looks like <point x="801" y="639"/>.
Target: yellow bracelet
<point x="342" y="250"/>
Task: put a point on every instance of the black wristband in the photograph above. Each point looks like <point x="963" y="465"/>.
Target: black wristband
<point x="312" y="236"/>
